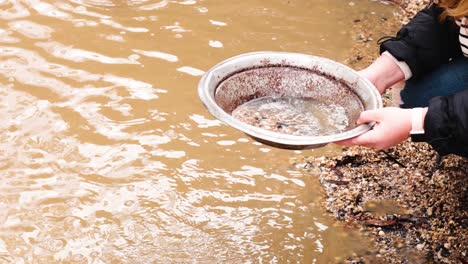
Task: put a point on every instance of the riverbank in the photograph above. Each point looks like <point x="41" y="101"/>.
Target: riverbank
<point x="408" y="200"/>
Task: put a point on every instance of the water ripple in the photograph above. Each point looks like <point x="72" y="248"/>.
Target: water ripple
<point x="78" y="55"/>
<point x="106" y="155"/>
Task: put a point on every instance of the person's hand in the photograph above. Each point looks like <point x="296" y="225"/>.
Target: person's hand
<point x="392" y="126"/>
<point x="372" y="75"/>
<point x="383" y="73"/>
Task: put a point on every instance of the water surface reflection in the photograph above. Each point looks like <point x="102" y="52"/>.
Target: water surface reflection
<point x="107" y="156"/>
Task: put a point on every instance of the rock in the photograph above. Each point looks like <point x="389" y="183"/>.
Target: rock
<point x="420" y="247"/>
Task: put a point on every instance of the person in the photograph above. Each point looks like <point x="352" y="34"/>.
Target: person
<point x="431" y="54"/>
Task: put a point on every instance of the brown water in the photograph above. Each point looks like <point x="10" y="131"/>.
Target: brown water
<point x="107" y="155"/>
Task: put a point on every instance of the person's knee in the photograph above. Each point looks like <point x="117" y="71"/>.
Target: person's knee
<point x="445" y="80"/>
<point x="412" y="95"/>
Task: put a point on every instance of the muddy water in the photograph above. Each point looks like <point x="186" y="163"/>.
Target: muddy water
<point x="293" y="116"/>
<point x="107" y="156"/>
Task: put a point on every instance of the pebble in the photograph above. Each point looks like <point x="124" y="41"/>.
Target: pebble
<point x="429" y="211"/>
<point x="420" y="247"/>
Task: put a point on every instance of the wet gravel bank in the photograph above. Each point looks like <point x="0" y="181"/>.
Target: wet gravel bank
<point x="410" y="201"/>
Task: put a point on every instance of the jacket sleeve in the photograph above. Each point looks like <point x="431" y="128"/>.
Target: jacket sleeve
<point x="425" y="42"/>
<point x="446" y="124"/>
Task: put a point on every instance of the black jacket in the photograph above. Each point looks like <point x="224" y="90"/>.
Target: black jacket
<point x="424" y="44"/>
<point x="446" y="124"/>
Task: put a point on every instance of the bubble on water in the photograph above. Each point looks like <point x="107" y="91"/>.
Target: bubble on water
<point x="171" y="134"/>
<point x="78" y="258"/>
<point x="53" y="244"/>
<point x="73" y="202"/>
<point x="129" y="203"/>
